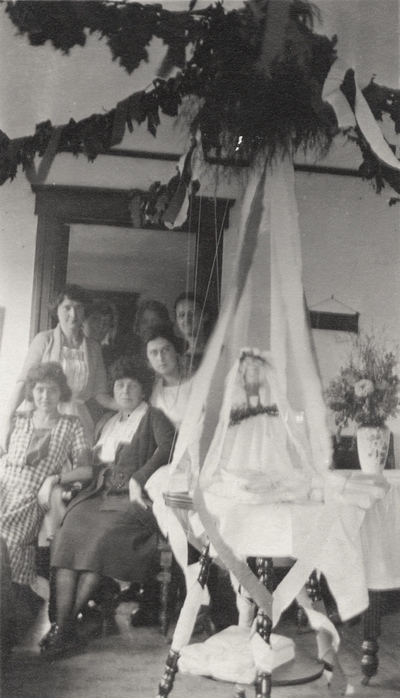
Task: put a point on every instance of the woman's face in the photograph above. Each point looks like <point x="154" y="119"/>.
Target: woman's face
<point x="97" y="326"/>
<point x="148" y="319"/>
<point x="162" y="356"/>
<point x="46" y="396"/>
<point x="188" y="318"/>
<point x="70" y="314"/>
<point x="128" y="394"/>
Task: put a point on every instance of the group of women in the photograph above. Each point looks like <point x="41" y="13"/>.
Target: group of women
<point x="108" y="530"/>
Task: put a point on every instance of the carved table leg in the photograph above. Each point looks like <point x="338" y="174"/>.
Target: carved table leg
<point x="313" y="587"/>
<point x="263" y="680"/>
<point x="171" y="665"/>
<point x="164" y="577"/>
<point x="372" y="630"/>
<point x="167" y="681"/>
<point x="205" y="562"/>
<point x="314" y="592"/>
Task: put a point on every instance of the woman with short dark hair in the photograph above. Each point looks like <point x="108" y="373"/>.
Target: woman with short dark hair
<point x="109" y="529"/>
<point x="171" y="388"/>
<point x="41" y="442"/>
<point x="79" y="357"/>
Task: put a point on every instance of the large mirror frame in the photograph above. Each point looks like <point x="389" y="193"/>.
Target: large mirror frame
<point x="59" y="206"/>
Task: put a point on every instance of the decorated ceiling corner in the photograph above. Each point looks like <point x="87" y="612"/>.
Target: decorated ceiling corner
<point x="256" y="75"/>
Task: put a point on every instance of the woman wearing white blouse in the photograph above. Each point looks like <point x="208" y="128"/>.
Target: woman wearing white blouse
<point x="172" y="387"/>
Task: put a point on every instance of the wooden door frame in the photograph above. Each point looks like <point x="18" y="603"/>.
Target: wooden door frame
<point x="60" y="206"/>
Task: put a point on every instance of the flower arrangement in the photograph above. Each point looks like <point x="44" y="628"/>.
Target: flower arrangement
<point x="366" y="390"/>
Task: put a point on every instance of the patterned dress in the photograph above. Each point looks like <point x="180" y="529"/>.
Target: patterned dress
<point x="31" y="458"/>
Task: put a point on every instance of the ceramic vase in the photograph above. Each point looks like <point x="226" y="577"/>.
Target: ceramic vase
<point x="373" y="448"/>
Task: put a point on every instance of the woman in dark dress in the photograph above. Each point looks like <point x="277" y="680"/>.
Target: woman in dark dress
<point x="109" y="529"/>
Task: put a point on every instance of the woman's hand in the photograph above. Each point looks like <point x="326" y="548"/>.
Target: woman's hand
<point x="45" y="491"/>
<point x="135" y="493"/>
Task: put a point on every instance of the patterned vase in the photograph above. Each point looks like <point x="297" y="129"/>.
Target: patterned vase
<point x="373" y="447"/>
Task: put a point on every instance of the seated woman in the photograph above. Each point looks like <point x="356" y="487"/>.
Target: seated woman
<point x="79" y="356"/>
<point x="172" y="387"/>
<point x="109" y="529"/>
<point x="41" y="442"/>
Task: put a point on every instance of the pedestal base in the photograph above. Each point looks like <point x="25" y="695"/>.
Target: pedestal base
<point x="302" y="669"/>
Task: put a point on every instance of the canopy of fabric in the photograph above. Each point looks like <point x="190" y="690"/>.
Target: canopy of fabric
<point x="263" y="310"/>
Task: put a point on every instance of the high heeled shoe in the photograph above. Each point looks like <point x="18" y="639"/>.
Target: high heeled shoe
<point x="46" y="639"/>
<point x="58" y="642"/>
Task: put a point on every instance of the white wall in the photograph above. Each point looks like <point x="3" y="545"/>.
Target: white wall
<point x="17" y="251"/>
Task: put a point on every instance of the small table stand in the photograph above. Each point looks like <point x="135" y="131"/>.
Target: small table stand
<point x="301" y="670"/>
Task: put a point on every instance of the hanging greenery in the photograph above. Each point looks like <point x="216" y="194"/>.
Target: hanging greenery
<point x="255" y="75"/>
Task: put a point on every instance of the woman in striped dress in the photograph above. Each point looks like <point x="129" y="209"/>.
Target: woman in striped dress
<point x="42" y="440"/>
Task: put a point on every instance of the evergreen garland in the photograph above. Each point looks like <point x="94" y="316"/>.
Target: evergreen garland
<point x="253" y="94"/>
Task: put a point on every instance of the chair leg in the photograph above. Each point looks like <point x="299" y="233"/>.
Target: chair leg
<point x="171" y="665"/>
<point x="372" y="630"/>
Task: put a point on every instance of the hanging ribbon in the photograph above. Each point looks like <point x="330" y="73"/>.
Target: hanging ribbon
<point x="361" y="114"/>
<point x="40" y="176"/>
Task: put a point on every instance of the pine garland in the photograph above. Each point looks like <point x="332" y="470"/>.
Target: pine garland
<point x="256" y="93"/>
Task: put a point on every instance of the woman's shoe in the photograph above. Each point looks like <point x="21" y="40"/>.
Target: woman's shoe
<point x="58" y="643"/>
<point x="47" y="638"/>
<point x="90" y="623"/>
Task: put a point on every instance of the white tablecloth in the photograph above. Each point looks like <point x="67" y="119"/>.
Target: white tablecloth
<point x="355" y="549"/>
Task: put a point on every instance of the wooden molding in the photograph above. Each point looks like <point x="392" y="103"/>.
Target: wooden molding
<point x="60" y="206"/>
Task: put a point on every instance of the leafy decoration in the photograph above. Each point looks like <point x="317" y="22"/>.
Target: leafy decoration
<point x="255" y="75"/>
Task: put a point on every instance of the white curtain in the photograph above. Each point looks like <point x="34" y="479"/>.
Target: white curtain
<point x="264" y="308"/>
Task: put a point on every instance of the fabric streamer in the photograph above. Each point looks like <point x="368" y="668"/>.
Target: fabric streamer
<point x="268" y="271"/>
<point x="40" y="176"/>
<point x="362" y="114"/>
<point x="264" y="308"/>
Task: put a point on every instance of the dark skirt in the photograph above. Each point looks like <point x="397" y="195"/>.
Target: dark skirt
<point x="112" y="542"/>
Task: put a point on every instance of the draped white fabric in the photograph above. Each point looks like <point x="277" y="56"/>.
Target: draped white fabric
<point x="263" y="309"/>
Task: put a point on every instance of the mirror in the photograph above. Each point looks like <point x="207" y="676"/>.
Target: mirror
<point x="85" y="236"/>
<point x="126" y="265"/>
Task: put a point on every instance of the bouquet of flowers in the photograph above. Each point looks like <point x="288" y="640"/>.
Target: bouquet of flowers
<point x="366" y="390"/>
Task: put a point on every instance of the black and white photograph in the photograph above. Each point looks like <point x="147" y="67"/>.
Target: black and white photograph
<point x="199" y="348"/>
